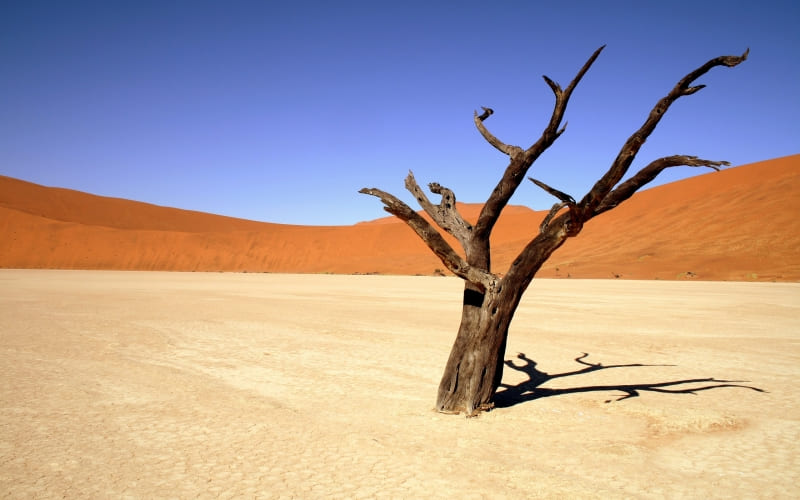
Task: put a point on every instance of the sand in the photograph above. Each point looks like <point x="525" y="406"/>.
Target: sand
<point x="206" y="385"/>
<point x="740" y="224"/>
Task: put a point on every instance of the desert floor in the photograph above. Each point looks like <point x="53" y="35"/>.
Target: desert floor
<point x="148" y="385"/>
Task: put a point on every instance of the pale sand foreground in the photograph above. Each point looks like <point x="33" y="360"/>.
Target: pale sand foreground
<point x="146" y="385"/>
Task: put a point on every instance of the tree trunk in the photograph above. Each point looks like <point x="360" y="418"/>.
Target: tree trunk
<point x="475" y="367"/>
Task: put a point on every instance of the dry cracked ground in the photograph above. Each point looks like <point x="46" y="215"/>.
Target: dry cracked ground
<point x="219" y="385"/>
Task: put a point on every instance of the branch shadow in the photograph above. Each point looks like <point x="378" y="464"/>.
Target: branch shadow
<point x="510" y="395"/>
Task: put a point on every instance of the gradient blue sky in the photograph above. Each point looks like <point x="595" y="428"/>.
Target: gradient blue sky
<point x="282" y="111"/>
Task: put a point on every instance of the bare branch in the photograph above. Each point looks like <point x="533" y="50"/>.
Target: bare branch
<point x="566" y="201"/>
<point x="519" y="165"/>
<point x="433" y="239"/>
<point x="553" y="232"/>
<point x="562" y="97"/>
<point x="445" y="214"/>
<point x="616" y="172"/>
<point x="487" y="112"/>
<point x="491" y="139"/>
<point x="553" y="212"/>
<point x="555" y="87"/>
<point x="729" y="61"/>
<point x="583" y="71"/>
<point x="448" y="212"/>
<point x="650" y="172"/>
<point x="562" y="129"/>
<point x="692" y="90"/>
<point x="564" y="197"/>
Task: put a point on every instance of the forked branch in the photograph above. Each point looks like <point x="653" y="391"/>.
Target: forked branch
<point x="650" y="172"/>
<point x="454" y="262"/>
<point x="566" y="201"/>
<point x="619" y="167"/>
<point x="519" y="165"/>
<point x="554" y="210"/>
<point x="562" y="98"/>
<point x="446" y="213"/>
<point x="510" y="150"/>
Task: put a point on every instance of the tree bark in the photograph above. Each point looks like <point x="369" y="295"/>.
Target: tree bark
<point x="475" y="366"/>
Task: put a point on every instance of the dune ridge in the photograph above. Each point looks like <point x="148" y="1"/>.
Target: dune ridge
<point x="738" y="224"/>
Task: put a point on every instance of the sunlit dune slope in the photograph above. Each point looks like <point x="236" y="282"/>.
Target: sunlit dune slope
<point x="738" y="224"/>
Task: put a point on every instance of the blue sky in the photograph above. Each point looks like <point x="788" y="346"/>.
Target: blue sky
<point x="282" y="111"/>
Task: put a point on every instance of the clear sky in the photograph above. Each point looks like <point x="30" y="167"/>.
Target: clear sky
<point x="282" y="111"/>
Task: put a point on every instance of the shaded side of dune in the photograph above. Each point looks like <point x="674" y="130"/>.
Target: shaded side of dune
<point x="738" y="224"/>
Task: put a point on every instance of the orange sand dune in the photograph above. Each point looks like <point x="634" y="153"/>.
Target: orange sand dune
<point x="738" y="224"/>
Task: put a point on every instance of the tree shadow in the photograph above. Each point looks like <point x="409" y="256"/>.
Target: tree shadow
<point x="510" y="395"/>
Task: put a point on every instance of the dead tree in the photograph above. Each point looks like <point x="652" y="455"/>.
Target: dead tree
<point x="475" y="366"/>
